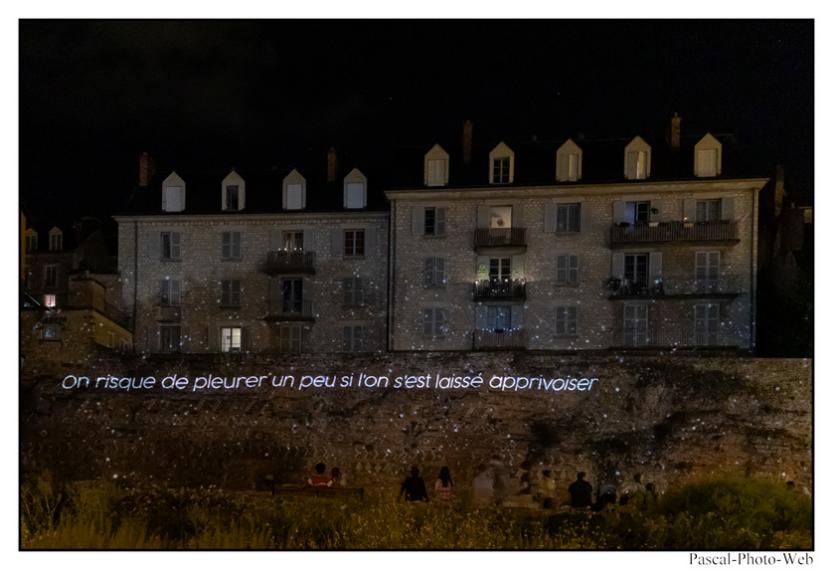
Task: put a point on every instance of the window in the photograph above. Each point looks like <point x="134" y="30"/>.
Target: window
<point x="56" y="240"/>
<point x="51" y="276"/>
<point x="293" y="241"/>
<point x="31" y="241"/>
<point x="353" y="338"/>
<point x="289" y="338"/>
<point x="292" y="296"/>
<point x="171" y="246"/>
<point x="499" y="318"/>
<point x="706" y="270"/>
<point x="636" y="269"/>
<point x="436" y="172"/>
<point x="572" y="167"/>
<point x="232" y="198"/>
<point x="354" y="195"/>
<point x="294" y="196"/>
<point x="354" y="243"/>
<point x="231" y="245"/>
<point x="706" y="324"/>
<point x="231" y="339"/>
<point x="637" y="212"/>
<point x="500" y="217"/>
<point x="230" y="293"/>
<point x="434" y="272"/>
<point x="174" y="199"/>
<point x="500" y="170"/>
<point x="170" y="294"/>
<point x="566" y="269"/>
<point x="500" y="269"/>
<point x="565" y="321"/>
<point x="434" y="323"/>
<point x="707" y="162"/>
<point x="637" y="164"/>
<point x="353" y="289"/>
<point x="170" y="338"/>
<point x="567" y="218"/>
<point x="708" y="210"/>
<point x="49" y="301"/>
<point x="435" y="221"/>
<point x="635" y="330"/>
<point x="51" y="331"/>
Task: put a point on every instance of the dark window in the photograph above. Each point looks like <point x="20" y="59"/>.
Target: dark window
<point x="353" y="290"/>
<point x="568" y="218"/>
<point x="500" y="170"/>
<point x="434" y="323"/>
<point x="500" y="269"/>
<point x="289" y="338"/>
<point x="565" y="321"/>
<point x="353" y="243"/>
<point x="170" y="293"/>
<point x="232" y="198"/>
<point x="51" y="280"/>
<point x="230" y="293"/>
<point x="637" y="212"/>
<point x="292" y="295"/>
<point x="434" y="272"/>
<point x="636" y="269"/>
<point x="499" y="318"/>
<point x="353" y="339"/>
<point x="566" y="269"/>
<point x="293" y="241"/>
<point x="231" y="245"/>
<point x="435" y="221"/>
<point x="708" y="210"/>
<point x="170" y="338"/>
<point x="171" y="245"/>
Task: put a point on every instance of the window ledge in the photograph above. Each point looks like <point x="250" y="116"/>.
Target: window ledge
<point x="170" y="259"/>
<point x="232" y="259"/>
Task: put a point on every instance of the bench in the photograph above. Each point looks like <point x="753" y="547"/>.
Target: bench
<point x="310" y="491"/>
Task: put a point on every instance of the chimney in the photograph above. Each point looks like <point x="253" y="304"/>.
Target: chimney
<point x="779" y="190"/>
<point x="332" y="164"/>
<point x="467" y="128"/>
<point x="146" y="168"/>
<point x="674" y="135"/>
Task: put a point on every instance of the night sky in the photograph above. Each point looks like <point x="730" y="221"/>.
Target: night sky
<point x="95" y="94"/>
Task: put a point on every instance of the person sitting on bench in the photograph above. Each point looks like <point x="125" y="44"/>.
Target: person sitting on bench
<point x="320" y="478"/>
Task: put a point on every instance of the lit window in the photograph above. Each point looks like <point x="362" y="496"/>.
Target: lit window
<point x="231" y="339"/>
<point x="49" y="301"/>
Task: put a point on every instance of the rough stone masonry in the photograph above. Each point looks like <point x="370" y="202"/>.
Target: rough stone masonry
<point x="668" y="417"/>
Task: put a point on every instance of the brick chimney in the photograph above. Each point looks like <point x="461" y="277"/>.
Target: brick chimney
<point x="779" y="190"/>
<point x="146" y="168"/>
<point x="332" y="164"/>
<point x="674" y="134"/>
<point x="467" y="129"/>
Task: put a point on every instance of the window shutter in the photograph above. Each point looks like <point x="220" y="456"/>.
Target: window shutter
<point x="303" y="196"/>
<point x="655" y="265"/>
<point x="176" y="245"/>
<point x="572" y="276"/>
<point x="549" y="217"/>
<point x="481" y="316"/>
<point x="690" y="209"/>
<point x="154" y="243"/>
<point x="517" y="215"/>
<point x="482" y="267"/>
<point x="619" y="212"/>
<point x="284" y="196"/>
<point x="275" y="240"/>
<point x="428" y="272"/>
<point x="223" y="196"/>
<point x="337" y="243"/>
<point x="618" y="265"/>
<point x="483" y="216"/>
<point x="241" y="196"/>
<point x="518" y="269"/>
<point x="582" y="216"/>
<point x="517" y="316"/>
<point x="418" y="220"/>
<point x="727" y="209"/>
<point x="245" y="339"/>
<point x="440" y="272"/>
<point x="439" y="221"/>
<point x="631" y="165"/>
<point x="370" y="241"/>
<point x="164" y="199"/>
<point x="181" y="198"/>
<point x="562" y="167"/>
<point x="163" y="290"/>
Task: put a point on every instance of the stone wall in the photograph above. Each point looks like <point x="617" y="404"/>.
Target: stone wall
<point x="668" y="417"/>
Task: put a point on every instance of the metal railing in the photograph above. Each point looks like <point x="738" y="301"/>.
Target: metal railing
<point x="497" y="237"/>
<point x="499" y="340"/>
<point x="281" y="310"/>
<point x="168" y="313"/>
<point x="681" y="336"/>
<point x="499" y="289"/>
<point x="658" y="288"/>
<point x="723" y="230"/>
<point x="289" y="262"/>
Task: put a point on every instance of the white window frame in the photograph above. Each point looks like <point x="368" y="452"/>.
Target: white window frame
<point x="290" y="338"/>
<point x="707" y="270"/>
<point x="50" y="300"/>
<point x="354" y="252"/>
<point x="435" y="224"/>
<point x="231" y="339"/>
<point x="435" y="277"/>
<point x="227" y="205"/>
<point x="706" y="212"/>
<point x="170" y="294"/>
<point x="502" y="175"/>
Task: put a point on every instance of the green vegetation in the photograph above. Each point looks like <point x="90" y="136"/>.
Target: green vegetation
<point x="723" y="513"/>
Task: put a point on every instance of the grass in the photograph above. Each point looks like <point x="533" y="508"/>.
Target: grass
<point x="722" y="513"/>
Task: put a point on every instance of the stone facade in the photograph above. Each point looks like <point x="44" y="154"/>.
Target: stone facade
<point x="316" y="324"/>
<point x="669" y="241"/>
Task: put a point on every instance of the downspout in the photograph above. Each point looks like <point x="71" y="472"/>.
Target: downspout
<point x="753" y="265"/>
<point x="391" y="284"/>
<point x="135" y="276"/>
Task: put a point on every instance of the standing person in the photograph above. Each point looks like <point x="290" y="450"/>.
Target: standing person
<point x="319" y="478"/>
<point x="413" y="487"/>
<point x="336" y="478"/>
<point x="581" y="492"/>
<point x="443" y="486"/>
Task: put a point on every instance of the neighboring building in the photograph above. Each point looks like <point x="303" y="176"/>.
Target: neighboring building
<point x="283" y="260"/>
<point x="574" y="244"/>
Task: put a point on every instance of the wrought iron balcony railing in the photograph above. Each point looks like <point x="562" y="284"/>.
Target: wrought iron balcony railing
<point x="499" y="289"/>
<point x="168" y="313"/>
<point x="723" y="230"/>
<point x="683" y="335"/>
<point x="500" y="237"/>
<point x="726" y="287"/>
<point x="512" y="339"/>
<point x="291" y="310"/>
<point x="278" y="262"/>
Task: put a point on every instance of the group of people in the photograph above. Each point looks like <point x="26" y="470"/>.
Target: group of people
<point x="633" y="493"/>
<point x="321" y="479"/>
<point x="413" y="487"/>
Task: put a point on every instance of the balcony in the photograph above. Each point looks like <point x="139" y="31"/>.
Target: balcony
<point x="291" y="311"/>
<point x="500" y="238"/>
<point x="503" y="289"/>
<point x="168" y="313"/>
<point x="682" y="335"/>
<point x="282" y="262"/>
<point x="669" y="232"/>
<point x="721" y="288"/>
<point x="513" y="339"/>
<point x="118" y="316"/>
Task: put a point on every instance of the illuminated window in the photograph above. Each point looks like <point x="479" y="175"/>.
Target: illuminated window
<point x="231" y="246"/>
<point x="49" y="301"/>
<point x="500" y="217"/>
<point x="565" y="321"/>
<point x="171" y="246"/>
<point x="434" y="323"/>
<point x="230" y="293"/>
<point x="353" y="338"/>
<point x="231" y="339"/>
<point x="354" y="241"/>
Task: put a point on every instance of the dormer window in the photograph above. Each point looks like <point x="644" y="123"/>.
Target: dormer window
<point x="436" y="166"/>
<point x="355" y="190"/>
<point x="294" y="191"/>
<point x="31" y="241"/>
<point x="173" y="193"/>
<point x="56" y="240"/>
<point x="233" y="192"/>
<point x="568" y="162"/>
<point x="707" y="157"/>
<point x="637" y="160"/>
<point x="501" y="165"/>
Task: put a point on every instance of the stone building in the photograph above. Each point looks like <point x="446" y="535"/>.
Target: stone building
<point x="574" y="244"/>
<point x="278" y="260"/>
